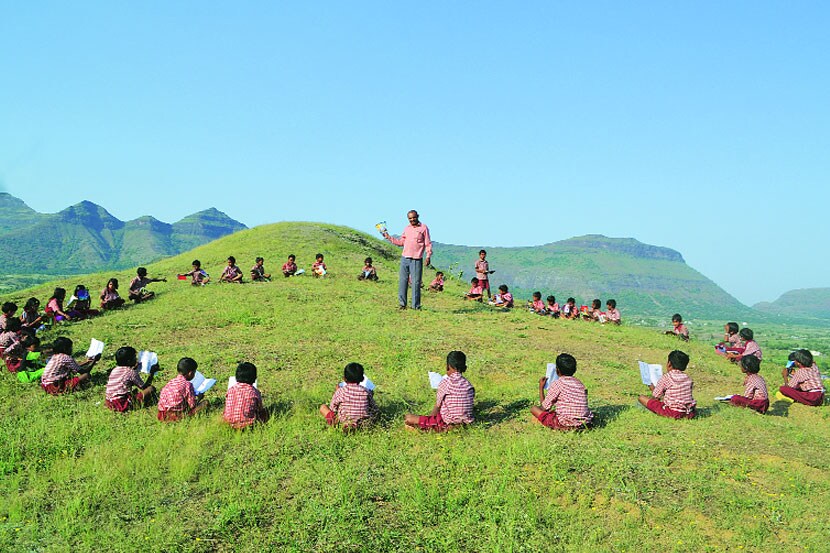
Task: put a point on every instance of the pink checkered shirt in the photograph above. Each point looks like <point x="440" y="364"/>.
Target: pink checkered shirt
<point x="571" y="400"/>
<point x="752" y="349"/>
<point x="59" y="368"/>
<point x="137" y="283"/>
<point x="675" y="388"/>
<point x="807" y="379"/>
<point x="230" y="272"/>
<point x="108" y="295"/>
<point x="10" y="344"/>
<point x="290" y="267"/>
<point x="507" y="299"/>
<point x="242" y="404"/>
<point x="2" y="322"/>
<point x="681" y="330"/>
<point x="455" y="397"/>
<point x="177" y="395"/>
<point x="538" y="305"/>
<point x="482" y="269"/>
<point x="415" y="240"/>
<point x="755" y="387"/>
<point x="354" y="404"/>
<point x="121" y="381"/>
<point x="734" y="341"/>
<point x="613" y="315"/>
<point x="475" y="290"/>
<point x="552" y="308"/>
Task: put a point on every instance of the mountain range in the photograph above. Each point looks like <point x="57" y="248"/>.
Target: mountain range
<point x="806" y="302"/>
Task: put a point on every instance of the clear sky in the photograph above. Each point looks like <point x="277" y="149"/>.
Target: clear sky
<point x="701" y="126"/>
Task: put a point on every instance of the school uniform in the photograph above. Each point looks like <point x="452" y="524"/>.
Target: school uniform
<point x="352" y="405"/>
<point x="805" y="386"/>
<point x="120" y="394"/>
<point x="507" y="299"/>
<point x="675" y="389"/>
<point x="243" y="406"/>
<point x="613" y="316"/>
<point x="755" y="395"/>
<point x="176" y="399"/>
<point x="136" y="285"/>
<point x="482" y="268"/>
<point x="289" y="268"/>
<point x="570" y="397"/>
<point x="682" y="331"/>
<point x="230" y="272"/>
<point x="752" y="348"/>
<point x="455" y="396"/>
<point x="57" y="375"/>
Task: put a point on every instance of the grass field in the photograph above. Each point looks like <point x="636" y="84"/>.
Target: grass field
<point x="78" y="477"/>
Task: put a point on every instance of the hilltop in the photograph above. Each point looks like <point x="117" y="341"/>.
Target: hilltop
<point x="76" y="476"/>
<point x="645" y="280"/>
<point x="813" y="303"/>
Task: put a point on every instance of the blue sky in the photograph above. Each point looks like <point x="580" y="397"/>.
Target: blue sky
<point x="704" y="126"/>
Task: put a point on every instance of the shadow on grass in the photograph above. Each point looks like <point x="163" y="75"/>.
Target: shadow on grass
<point x="779" y="408"/>
<point x="605" y="414"/>
<point x="392" y="413"/>
<point x="277" y="408"/>
<point x="491" y="413"/>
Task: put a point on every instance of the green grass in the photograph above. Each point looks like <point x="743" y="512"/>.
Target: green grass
<point x="78" y="477"/>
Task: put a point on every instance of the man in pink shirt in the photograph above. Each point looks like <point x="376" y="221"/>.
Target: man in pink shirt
<point x="415" y="241"/>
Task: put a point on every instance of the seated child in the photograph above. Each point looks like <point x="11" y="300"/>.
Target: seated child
<point x="352" y="405"/>
<point x="750" y="347"/>
<point x="243" y="404"/>
<point x="120" y="394"/>
<point x="258" y="273"/>
<point x="368" y="272"/>
<point x="11" y="344"/>
<point x="232" y="273"/>
<point x="32" y="367"/>
<point x="109" y="296"/>
<point x="289" y="268"/>
<point x="476" y="292"/>
<point x="178" y="398"/>
<point x="679" y="329"/>
<point x="755" y="387"/>
<point x="80" y="304"/>
<point x="138" y="290"/>
<point x="552" y="308"/>
<point x="731" y="340"/>
<point x="31" y="318"/>
<point x="197" y="274"/>
<point x="594" y="314"/>
<point x="54" y="308"/>
<point x="437" y="284"/>
<point x="536" y="305"/>
<point x="57" y="375"/>
<point x="504" y="298"/>
<point x="804" y="384"/>
<point x="9" y="309"/>
<point x="612" y="314"/>
<point x="672" y="397"/>
<point x="318" y="268"/>
<point x="570" y="311"/>
<point x="567" y="394"/>
<point x="454" y="399"/>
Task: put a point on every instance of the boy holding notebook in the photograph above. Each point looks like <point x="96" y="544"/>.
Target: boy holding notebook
<point x="352" y="405"/>
<point x="804" y="384"/>
<point x="454" y="399"/>
<point x="672" y="396"/>
<point x="178" y="398"/>
<point x="567" y="394"/>
<point x="125" y="388"/>
<point x="243" y="404"/>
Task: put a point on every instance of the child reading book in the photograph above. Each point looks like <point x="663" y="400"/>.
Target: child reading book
<point x="57" y="375"/>
<point x="552" y="307"/>
<point x="803" y="383"/>
<point x="138" y="286"/>
<point x="231" y="273"/>
<point x="755" y="395"/>
<point x="503" y="299"/>
<point x="570" y="311"/>
<point x="11" y="345"/>
<point x="454" y="399"/>
<point x="565" y="405"/>
<point x="109" y="296"/>
<point x="125" y="388"/>
<point x="612" y="314"/>
<point x="536" y="305"/>
<point x="79" y="305"/>
<point x="595" y="314"/>
<point x="369" y="272"/>
<point x="289" y="268"/>
<point x="243" y="404"/>
<point x="475" y="293"/>
<point x="679" y="329"/>
<point x="32" y="318"/>
<point x="751" y="347"/>
<point x="437" y="284"/>
<point x="258" y="273"/>
<point x="318" y="268"/>
<point x="178" y="398"/>
<point x="198" y="276"/>
<point x="672" y="396"/>
<point x="352" y="405"/>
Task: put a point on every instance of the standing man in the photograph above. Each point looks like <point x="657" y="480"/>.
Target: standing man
<point x="414" y="239"/>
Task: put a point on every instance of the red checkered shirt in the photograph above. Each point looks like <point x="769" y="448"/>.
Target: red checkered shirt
<point x="755" y="387"/>
<point x="455" y="397"/>
<point x="807" y="379"/>
<point x="59" y="368"/>
<point x="613" y="315"/>
<point x="121" y="381"/>
<point x="571" y="400"/>
<point x="242" y="404"/>
<point x="108" y="295"/>
<point x="681" y="330"/>
<point x="675" y="388"/>
<point x="10" y="344"/>
<point x="735" y="340"/>
<point x="137" y="283"/>
<point x="354" y="404"/>
<point x="177" y="395"/>
<point x="230" y="272"/>
<point x="752" y="349"/>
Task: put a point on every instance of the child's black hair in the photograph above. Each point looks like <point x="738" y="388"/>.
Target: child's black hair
<point x="679" y="360"/>
<point x="747" y="334"/>
<point x="676" y="318"/>
<point x="141" y="271"/>
<point x="9" y="308"/>
<point x="571" y="300"/>
<point x="503" y="288"/>
<point x="457" y="360"/>
<point x="32" y="304"/>
<point x="732" y="328"/>
<point x="439" y="273"/>
<point x="368" y="261"/>
<point x="196" y="263"/>
<point x="292" y="256"/>
<point x="353" y="373"/>
<point x="114" y="282"/>
<point x="78" y="288"/>
<point x="612" y="303"/>
<point x="318" y="256"/>
<point x="186" y="365"/>
<point x="537" y="295"/>
<point x="474" y="280"/>
<point x="751" y="364"/>
<point x="59" y="293"/>
<point x="803" y="357"/>
<point x="258" y="259"/>
<point x="566" y="364"/>
<point x="246" y="373"/>
<point x="596" y="304"/>
<point x="791" y="356"/>
<point x="62" y="344"/>
<point x="126" y="356"/>
<point x="551" y="299"/>
<point x="232" y="259"/>
<point x="13" y="324"/>
<point x="30" y="340"/>
<point x="482" y="252"/>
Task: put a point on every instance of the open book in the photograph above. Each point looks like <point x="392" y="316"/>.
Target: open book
<point x="202" y="384"/>
<point x="435" y="379"/>
<point x="650" y="373"/>
<point x="366" y="383"/>
<point x="232" y="382"/>
<point x="381" y="227"/>
<point x="96" y="347"/>
<point x="550" y="374"/>
<point x="147" y="360"/>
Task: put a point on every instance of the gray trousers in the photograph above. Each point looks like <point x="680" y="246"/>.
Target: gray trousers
<point x="410" y="268"/>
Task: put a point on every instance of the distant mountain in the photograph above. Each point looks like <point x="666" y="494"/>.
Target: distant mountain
<point x="86" y="238"/>
<point x="645" y="280"/>
<point x="806" y="302"/>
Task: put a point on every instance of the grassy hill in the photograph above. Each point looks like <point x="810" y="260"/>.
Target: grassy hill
<point x="813" y="303"/>
<point x="78" y="477"/>
<point x="645" y="280"/>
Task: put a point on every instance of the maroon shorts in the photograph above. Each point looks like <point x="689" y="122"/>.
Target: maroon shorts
<point x="760" y="405"/>
<point x="433" y="422"/>
<point x="485" y="284"/>
<point x="171" y="416"/>
<point x="13" y="365"/>
<point x="331" y="418"/>
<point x="813" y="399"/>
<point x="551" y="420"/>
<point x="656" y="406"/>
<point x="125" y="403"/>
<point x="61" y="387"/>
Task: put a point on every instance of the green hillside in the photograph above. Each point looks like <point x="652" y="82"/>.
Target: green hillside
<point x="645" y="280"/>
<point x="811" y="303"/>
<point x="76" y="477"/>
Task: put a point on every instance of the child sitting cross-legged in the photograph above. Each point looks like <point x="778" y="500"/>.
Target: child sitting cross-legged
<point x="369" y="272"/>
<point x="755" y="395"/>
<point x="437" y="284"/>
<point x="9" y="309"/>
<point x="454" y="399"/>
<point x="503" y="299"/>
<point x="231" y="273"/>
<point x="125" y="388"/>
<point x="11" y="345"/>
<point x="569" y="397"/>
<point x="804" y="384"/>
<point x="57" y="375"/>
<point x="536" y="305"/>
<point x="476" y="292"/>
<point x="138" y="286"/>
<point x="243" y="404"/>
<point x="612" y="314"/>
<point x="178" y="398"/>
<point x="352" y="405"/>
<point x="751" y="347"/>
<point x="672" y="396"/>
